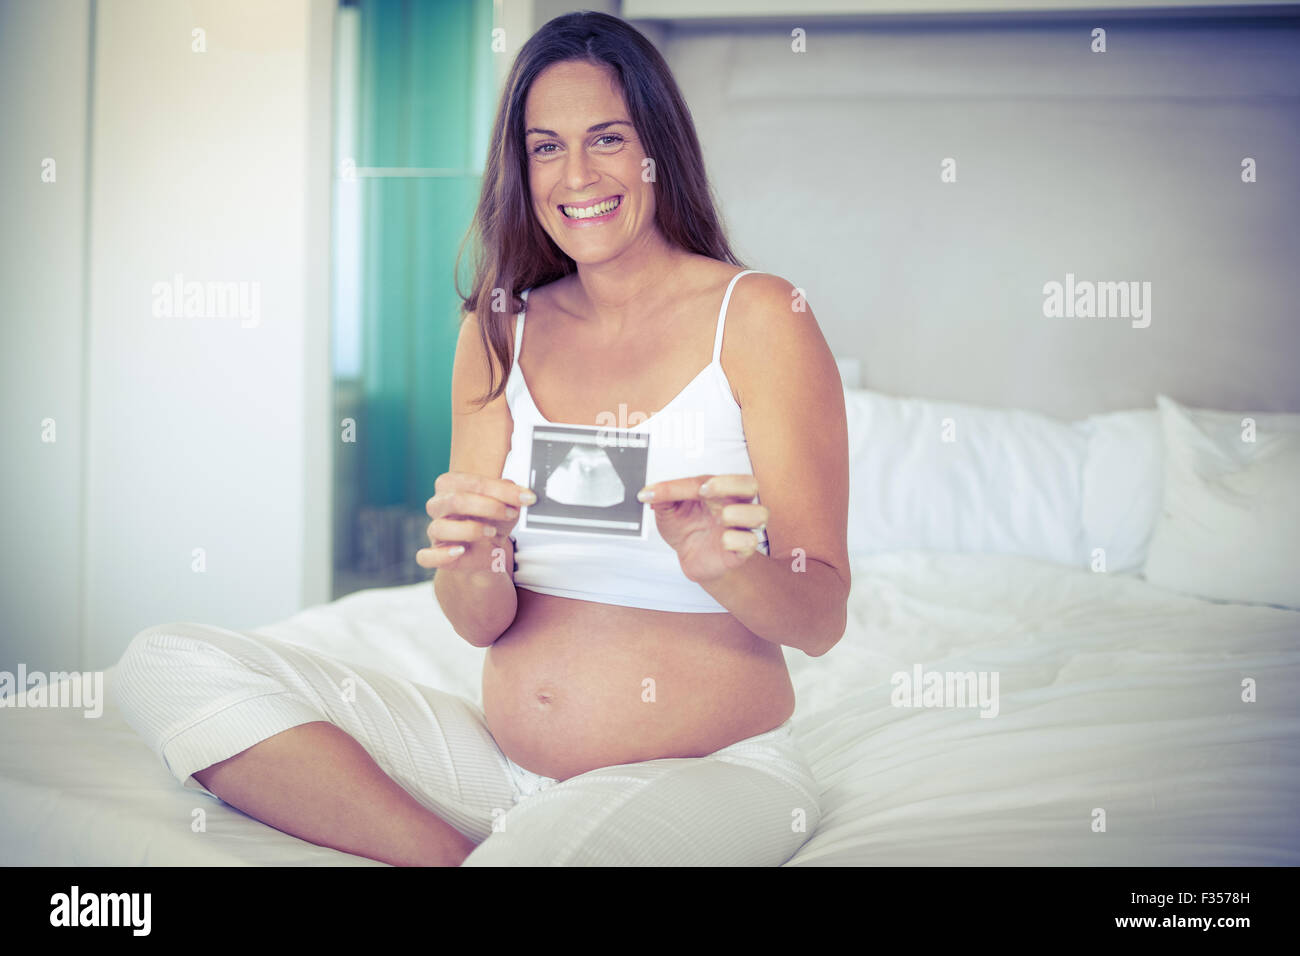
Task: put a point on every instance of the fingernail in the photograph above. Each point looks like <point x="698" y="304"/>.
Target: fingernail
<point x="527" y="498"/>
<point x="458" y="550"/>
<point x="704" y="488"/>
<point x="645" y="494"/>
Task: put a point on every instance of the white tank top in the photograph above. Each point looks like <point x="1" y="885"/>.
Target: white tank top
<point x="698" y="432"/>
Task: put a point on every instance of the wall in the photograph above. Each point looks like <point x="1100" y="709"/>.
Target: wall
<point x="44" y="95"/>
<point x="194" y="431"/>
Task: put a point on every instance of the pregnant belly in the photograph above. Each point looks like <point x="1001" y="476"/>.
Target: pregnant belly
<point x="575" y="685"/>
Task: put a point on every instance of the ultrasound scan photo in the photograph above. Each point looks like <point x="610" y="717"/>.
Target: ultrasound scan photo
<point x="586" y="480"/>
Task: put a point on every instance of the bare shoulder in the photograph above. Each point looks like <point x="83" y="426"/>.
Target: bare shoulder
<point x="769" y="316"/>
<point x="753" y="297"/>
<point x="766" y="310"/>
<point x="764" y="297"/>
<point x="471" y="365"/>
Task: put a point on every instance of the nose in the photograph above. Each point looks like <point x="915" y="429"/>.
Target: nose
<point x="578" y="171"/>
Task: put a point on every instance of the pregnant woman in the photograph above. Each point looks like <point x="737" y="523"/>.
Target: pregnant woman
<point x="636" y="702"/>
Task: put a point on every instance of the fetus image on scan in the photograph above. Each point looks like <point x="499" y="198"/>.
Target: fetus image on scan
<point x="587" y="477"/>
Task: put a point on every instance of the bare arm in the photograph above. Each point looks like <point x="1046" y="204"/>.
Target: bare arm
<point x="476" y="590"/>
<point x="794" y="418"/>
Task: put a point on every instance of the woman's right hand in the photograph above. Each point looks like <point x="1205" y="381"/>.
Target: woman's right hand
<point x="469" y="511"/>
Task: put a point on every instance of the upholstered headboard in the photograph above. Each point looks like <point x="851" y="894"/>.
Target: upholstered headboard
<point x="924" y="183"/>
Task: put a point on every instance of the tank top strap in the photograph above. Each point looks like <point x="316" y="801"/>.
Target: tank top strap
<point x="722" y="313"/>
<point x="519" y="328"/>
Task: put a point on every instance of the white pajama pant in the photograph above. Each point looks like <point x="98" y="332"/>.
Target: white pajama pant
<point x="199" y="694"/>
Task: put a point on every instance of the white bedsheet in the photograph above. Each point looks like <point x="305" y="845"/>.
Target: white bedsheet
<point x="1113" y="694"/>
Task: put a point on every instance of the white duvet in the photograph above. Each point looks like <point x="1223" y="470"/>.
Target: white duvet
<point x="1121" y="735"/>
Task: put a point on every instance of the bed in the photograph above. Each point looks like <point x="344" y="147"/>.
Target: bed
<point x="1134" y="723"/>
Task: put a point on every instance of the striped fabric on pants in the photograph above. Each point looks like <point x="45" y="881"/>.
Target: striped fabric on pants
<point x="199" y="694"/>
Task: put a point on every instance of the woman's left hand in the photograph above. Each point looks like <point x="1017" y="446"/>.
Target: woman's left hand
<point x="711" y="529"/>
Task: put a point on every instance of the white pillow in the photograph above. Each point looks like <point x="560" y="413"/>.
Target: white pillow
<point x="1230" y="526"/>
<point x="1123" y="485"/>
<point x="1009" y="482"/>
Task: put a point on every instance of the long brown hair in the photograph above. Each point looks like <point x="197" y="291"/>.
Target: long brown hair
<point x="513" y="251"/>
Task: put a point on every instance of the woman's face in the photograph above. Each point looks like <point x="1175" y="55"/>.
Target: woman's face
<point x="583" y="152"/>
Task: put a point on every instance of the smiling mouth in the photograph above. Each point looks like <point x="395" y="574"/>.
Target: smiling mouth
<point x="602" y="208"/>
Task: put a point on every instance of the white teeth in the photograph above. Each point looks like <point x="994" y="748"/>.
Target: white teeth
<point x="575" y="212"/>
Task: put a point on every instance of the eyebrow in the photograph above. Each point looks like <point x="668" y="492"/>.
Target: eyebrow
<point x="590" y="129"/>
